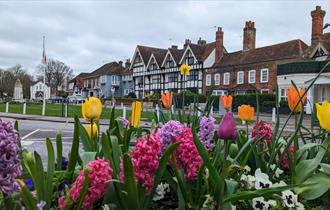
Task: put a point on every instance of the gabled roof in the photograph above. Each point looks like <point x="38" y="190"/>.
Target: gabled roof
<point x="82" y="75"/>
<point x="201" y="52"/>
<point x="147" y="51"/>
<point x="325" y="43"/>
<point x="176" y="54"/>
<point x="285" y="50"/>
<point x="112" y="68"/>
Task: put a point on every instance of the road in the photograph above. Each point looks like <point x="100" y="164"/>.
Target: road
<point x="34" y="134"/>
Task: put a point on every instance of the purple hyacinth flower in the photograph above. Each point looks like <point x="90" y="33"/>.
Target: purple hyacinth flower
<point x="206" y="131"/>
<point x="169" y="132"/>
<point x="10" y="163"/>
<point x="41" y="205"/>
<point x="29" y="183"/>
<point x="227" y="128"/>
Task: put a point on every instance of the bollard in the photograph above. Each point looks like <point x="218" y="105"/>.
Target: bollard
<point x="66" y="110"/>
<point x="274" y="115"/>
<point x="157" y="111"/>
<point x="211" y="111"/>
<point x="121" y="105"/>
<point x="172" y="109"/>
<point x="124" y="112"/>
<point x="7" y="107"/>
<point x="198" y="113"/>
<point x="24" y="108"/>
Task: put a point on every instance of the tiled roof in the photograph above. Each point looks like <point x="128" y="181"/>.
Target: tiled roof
<point x="160" y="56"/>
<point x="202" y="51"/>
<point x="176" y="53"/>
<point x="285" y="50"/>
<point x="112" y="68"/>
<point x="147" y="51"/>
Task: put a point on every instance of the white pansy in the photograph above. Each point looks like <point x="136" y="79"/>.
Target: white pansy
<point x="261" y="180"/>
<point x="248" y="181"/>
<point x="161" y="190"/>
<point x="247" y="169"/>
<point x="279" y="184"/>
<point x="105" y="207"/>
<point x="259" y="203"/>
<point x="277" y="172"/>
<point x="209" y="202"/>
<point x="289" y="198"/>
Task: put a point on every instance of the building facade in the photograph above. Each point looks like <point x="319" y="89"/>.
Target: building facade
<point x="37" y="91"/>
<point x="250" y="69"/>
<point x="313" y="60"/>
<point x="155" y="70"/>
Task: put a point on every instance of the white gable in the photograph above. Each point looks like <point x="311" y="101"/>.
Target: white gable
<point x="209" y="61"/>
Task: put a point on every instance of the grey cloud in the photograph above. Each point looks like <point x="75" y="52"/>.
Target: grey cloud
<point x="86" y="34"/>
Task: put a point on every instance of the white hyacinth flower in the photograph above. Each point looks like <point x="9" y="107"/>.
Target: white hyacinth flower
<point x="161" y="190"/>
<point x="277" y="172"/>
<point x="261" y="180"/>
<point x="209" y="202"/>
<point x="105" y="207"/>
<point x="248" y="181"/>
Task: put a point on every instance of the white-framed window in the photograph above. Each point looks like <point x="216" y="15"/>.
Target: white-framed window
<point x="103" y="79"/>
<point x="208" y="79"/>
<point x="283" y="95"/>
<point x="226" y="78"/>
<point x="217" y="79"/>
<point x="240" y="77"/>
<point x="264" y="91"/>
<point x="263" y="75"/>
<point x="252" y="76"/>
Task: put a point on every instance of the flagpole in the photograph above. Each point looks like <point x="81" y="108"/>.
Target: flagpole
<point x="45" y="66"/>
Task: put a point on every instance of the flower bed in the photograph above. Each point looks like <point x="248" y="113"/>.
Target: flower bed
<point x="173" y="165"/>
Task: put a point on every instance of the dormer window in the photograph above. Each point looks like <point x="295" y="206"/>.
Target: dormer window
<point x="189" y="58"/>
<point x="153" y="65"/>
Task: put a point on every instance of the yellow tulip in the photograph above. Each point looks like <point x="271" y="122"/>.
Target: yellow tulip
<point x="185" y="69"/>
<point x="226" y="101"/>
<point x="92" y="131"/>
<point x="136" y="113"/>
<point x="323" y="114"/>
<point x="246" y="113"/>
<point x="166" y="99"/>
<point x="91" y="109"/>
<point x="293" y="98"/>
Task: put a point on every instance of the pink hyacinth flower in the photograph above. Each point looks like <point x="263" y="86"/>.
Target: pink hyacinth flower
<point x="99" y="174"/>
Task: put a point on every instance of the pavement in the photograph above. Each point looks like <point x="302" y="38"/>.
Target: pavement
<point x="35" y="129"/>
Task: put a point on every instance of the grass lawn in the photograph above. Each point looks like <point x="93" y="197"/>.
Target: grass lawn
<point x="56" y="110"/>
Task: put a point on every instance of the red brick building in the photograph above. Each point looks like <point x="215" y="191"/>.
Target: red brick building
<point x="250" y="69"/>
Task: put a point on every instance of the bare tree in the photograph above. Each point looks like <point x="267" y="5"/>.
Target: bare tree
<point x="56" y="72"/>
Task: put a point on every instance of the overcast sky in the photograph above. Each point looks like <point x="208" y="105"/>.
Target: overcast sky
<point x="86" y="34"/>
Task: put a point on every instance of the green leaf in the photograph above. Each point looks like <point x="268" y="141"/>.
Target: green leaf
<point x="305" y="148"/>
<point x="86" y="142"/>
<point x="248" y="195"/>
<point x="50" y="173"/>
<point x="106" y="147"/>
<point x="116" y="154"/>
<point x="325" y="168"/>
<point x="305" y="168"/>
<point x="112" y="119"/>
<point x="59" y="149"/>
<point x="40" y="187"/>
<point x="321" y="185"/>
<point x="132" y="191"/>
<point x="29" y="202"/>
<point x="84" y="189"/>
<point x="88" y="157"/>
<point x="160" y="171"/>
<point x="74" y="154"/>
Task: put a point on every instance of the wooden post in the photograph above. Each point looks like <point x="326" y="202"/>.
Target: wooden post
<point x="274" y="115"/>
<point x="66" y="109"/>
<point x="124" y="112"/>
<point x="157" y="111"/>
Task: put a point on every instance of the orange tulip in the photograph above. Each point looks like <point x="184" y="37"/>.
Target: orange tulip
<point x="246" y="113"/>
<point x="227" y="101"/>
<point x="166" y="99"/>
<point x="293" y="98"/>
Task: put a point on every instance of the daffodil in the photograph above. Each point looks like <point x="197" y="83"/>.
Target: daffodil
<point x="91" y="109"/>
<point x="91" y="130"/>
<point x="323" y="115"/>
<point x="185" y="69"/>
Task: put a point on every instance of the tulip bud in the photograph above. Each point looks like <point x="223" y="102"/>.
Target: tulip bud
<point x="227" y="128"/>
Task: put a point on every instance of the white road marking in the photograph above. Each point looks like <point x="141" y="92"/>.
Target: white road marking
<point x="43" y="139"/>
<point x="29" y="134"/>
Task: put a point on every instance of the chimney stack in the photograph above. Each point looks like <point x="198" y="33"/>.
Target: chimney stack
<point x="317" y="25"/>
<point x="249" y="36"/>
<point x="127" y="63"/>
<point x="174" y="47"/>
<point x="120" y="63"/>
<point x="188" y="41"/>
<point x="201" y="41"/>
<point x="218" y="43"/>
